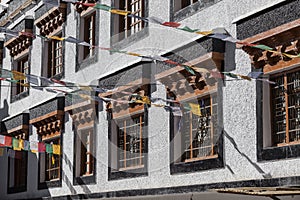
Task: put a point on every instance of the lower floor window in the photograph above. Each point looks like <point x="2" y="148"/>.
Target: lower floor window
<point x="17" y="170"/>
<point x="196" y="130"/>
<point x="131" y="144"/>
<point x="50" y="163"/>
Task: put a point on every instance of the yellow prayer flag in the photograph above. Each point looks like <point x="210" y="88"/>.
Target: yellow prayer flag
<point x="119" y="12"/>
<point x="204" y="32"/>
<point x="21" y="144"/>
<point x="195" y="109"/>
<point x="54" y="37"/>
<point x="56" y="149"/>
<point x="133" y="54"/>
<point x="146" y="100"/>
<point x="18" y="75"/>
<point x="53" y="160"/>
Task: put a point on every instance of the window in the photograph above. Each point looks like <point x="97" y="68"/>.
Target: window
<point x="17" y="170"/>
<point x="55" y="58"/>
<point x="88" y="35"/>
<point x="22" y="67"/>
<point x="180" y="4"/>
<point x="198" y="133"/>
<point x="84" y="152"/>
<point x="131" y="142"/>
<point x="285" y="108"/>
<point x="124" y="26"/>
<point x="50" y="163"/>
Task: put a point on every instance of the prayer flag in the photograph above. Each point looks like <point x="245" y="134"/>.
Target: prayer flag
<point x="18" y="75"/>
<point x="102" y="7"/>
<point x="56" y="149"/>
<point x="133" y="54"/>
<point x="21" y="144"/>
<point x="26" y="145"/>
<point x="15" y="144"/>
<point x="45" y="81"/>
<point x="41" y="147"/>
<point x="245" y="77"/>
<point x="49" y="148"/>
<point x="188" y="29"/>
<point x="189" y="69"/>
<point x="34" y="146"/>
<point x="72" y="40"/>
<point x="11" y="153"/>
<point x="32" y="79"/>
<point x="2" y="140"/>
<point x="204" y="32"/>
<point x="254" y="75"/>
<point x="171" y="24"/>
<point x="230" y="74"/>
<point x="8" y="141"/>
<point x="120" y="12"/>
<point x="263" y="47"/>
<point x="194" y="108"/>
<point x="54" y="37"/>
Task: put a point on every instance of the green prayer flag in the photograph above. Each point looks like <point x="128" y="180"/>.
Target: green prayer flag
<point x="189" y="69"/>
<point x="188" y="29"/>
<point x="230" y="74"/>
<point x="263" y="47"/>
<point x="49" y="148"/>
<point x="102" y="7"/>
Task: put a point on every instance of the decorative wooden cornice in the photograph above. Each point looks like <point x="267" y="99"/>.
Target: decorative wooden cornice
<point x="49" y="124"/>
<point x="81" y="8"/>
<point x="52" y="20"/>
<point x="19" y="44"/>
<point x="284" y="39"/>
<point x="17" y="11"/>
<point x="17" y="126"/>
<point x="184" y="85"/>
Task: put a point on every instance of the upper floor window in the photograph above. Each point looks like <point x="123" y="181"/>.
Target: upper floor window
<point x="180" y="4"/>
<point x="285" y="108"/>
<point x="22" y="67"/>
<point x="124" y="26"/>
<point x="55" y="57"/>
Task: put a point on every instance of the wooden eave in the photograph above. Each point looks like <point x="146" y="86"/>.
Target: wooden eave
<point x="185" y="85"/>
<point x="46" y="118"/>
<point x="52" y="20"/>
<point x="284" y="39"/>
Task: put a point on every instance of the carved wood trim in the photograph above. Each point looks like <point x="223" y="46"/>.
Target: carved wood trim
<point x="81" y="8"/>
<point x="184" y="85"/>
<point x="283" y="39"/>
<point x="52" y="20"/>
<point x="18" y="45"/>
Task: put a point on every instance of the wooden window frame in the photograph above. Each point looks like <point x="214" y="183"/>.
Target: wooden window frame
<point x="20" y="169"/>
<point x="20" y="67"/>
<point x="128" y="26"/>
<point x="188" y="155"/>
<point x="55" y="57"/>
<point x="48" y="159"/>
<point x="123" y="152"/>
<point x="285" y="95"/>
<point x="89" y="34"/>
<point x="86" y="149"/>
<point x="183" y="4"/>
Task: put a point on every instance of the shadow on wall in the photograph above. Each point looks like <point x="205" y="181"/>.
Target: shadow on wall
<point x="4" y="110"/>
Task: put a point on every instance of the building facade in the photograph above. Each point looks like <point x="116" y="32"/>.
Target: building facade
<point x="231" y="132"/>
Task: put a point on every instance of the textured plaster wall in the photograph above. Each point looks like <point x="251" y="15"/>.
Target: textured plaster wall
<point x="239" y="107"/>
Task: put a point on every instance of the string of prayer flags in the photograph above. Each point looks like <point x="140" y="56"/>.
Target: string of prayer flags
<point x="54" y="37"/>
<point x="2" y="140"/>
<point x="254" y="75"/>
<point x="26" y="145"/>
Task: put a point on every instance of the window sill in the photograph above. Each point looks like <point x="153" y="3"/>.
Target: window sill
<point x="279" y="152"/>
<point x="13" y="190"/>
<point x="50" y="184"/>
<point x="200" y="158"/>
<point x="85" y="180"/>
<point x="194" y="165"/>
<point x="129" y="173"/>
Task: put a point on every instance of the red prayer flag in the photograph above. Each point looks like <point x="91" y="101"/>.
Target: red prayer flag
<point x="8" y="141"/>
<point x="171" y="24"/>
<point x="42" y="147"/>
<point x="171" y="62"/>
